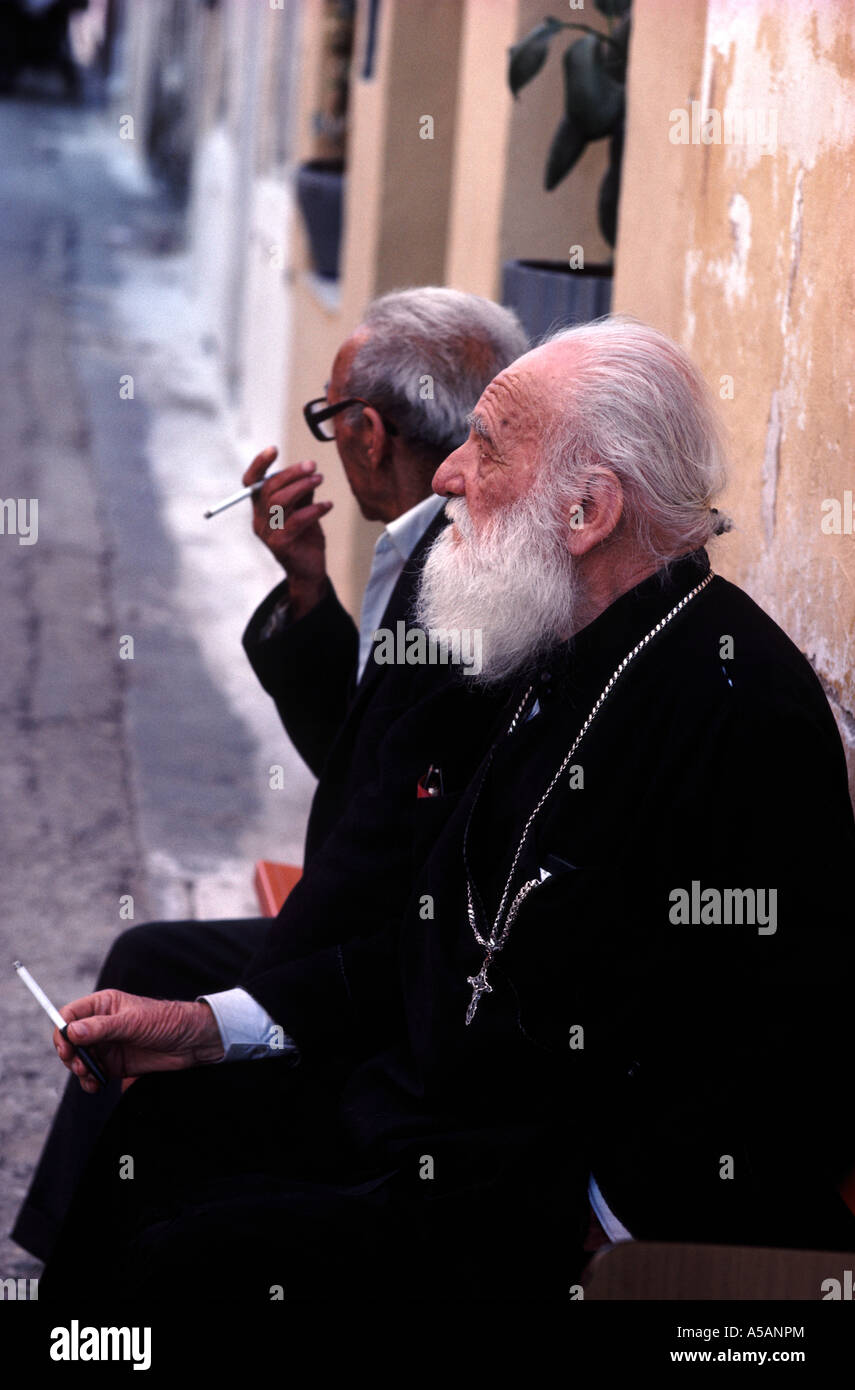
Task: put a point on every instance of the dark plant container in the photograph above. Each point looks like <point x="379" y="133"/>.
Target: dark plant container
<point x="320" y="193"/>
<point x="546" y="295"/>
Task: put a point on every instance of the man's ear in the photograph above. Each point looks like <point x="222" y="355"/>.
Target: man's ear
<point x="597" y="514"/>
<point x="374" y="441"/>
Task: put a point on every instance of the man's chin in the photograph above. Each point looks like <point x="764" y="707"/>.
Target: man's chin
<point x="502" y="668"/>
<point x="488" y="678"/>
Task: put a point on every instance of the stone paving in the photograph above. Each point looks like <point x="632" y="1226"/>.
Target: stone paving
<point x="145" y="777"/>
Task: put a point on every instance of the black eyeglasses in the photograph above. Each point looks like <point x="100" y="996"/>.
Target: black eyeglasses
<point x="318" y="412"/>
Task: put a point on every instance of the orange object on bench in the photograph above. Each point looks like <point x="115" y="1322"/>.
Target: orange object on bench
<point x="273" y="883"/>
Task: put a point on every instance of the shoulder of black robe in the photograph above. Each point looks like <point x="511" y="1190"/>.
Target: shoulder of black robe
<point x="706" y="1079"/>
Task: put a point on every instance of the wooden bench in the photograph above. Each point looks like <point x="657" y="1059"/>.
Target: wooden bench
<point x="645" y="1270"/>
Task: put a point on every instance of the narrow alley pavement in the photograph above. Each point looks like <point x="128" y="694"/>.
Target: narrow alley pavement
<point x="147" y="776"/>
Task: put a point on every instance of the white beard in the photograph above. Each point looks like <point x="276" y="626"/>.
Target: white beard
<point x="516" y="585"/>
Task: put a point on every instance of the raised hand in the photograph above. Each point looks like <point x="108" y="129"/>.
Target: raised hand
<point x="296" y="539"/>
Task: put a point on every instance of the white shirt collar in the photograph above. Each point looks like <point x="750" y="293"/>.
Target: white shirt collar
<point x="406" y="530"/>
<point x="392" y="549"/>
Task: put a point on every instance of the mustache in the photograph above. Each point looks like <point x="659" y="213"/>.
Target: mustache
<point x="457" y="512"/>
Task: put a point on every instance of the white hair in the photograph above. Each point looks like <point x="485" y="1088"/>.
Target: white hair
<point x="637" y="404"/>
<point x="429" y="354"/>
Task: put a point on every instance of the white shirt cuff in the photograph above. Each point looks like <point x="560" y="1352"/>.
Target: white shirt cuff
<point x="606" y="1217"/>
<point x="246" y="1029"/>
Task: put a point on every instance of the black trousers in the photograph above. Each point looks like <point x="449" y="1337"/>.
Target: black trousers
<point x="163" y="960"/>
<point x="237" y="1181"/>
<point x="221" y="1181"/>
<point x="245" y="1188"/>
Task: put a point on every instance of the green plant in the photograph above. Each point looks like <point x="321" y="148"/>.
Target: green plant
<point x="594" y="97"/>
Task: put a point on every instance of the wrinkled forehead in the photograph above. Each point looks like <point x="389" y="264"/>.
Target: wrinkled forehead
<point x="525" y="398"/>
<point x="512" y="406"/>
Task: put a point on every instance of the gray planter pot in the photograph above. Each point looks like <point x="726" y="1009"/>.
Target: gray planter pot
<point x="320" y="194"/>
<point x="546" y="295"/>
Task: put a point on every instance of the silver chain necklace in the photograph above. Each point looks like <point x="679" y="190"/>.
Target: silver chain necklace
<point x="493" y="943"/>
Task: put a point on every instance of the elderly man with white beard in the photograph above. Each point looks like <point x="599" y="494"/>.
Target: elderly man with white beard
<point x="569" y="1041"/>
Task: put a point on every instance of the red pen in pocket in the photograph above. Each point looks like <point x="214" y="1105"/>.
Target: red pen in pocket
<point x="431" y="783"/>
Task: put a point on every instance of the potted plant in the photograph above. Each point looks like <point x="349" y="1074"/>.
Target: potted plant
<point x="320" y="196"/>
<point x="546" y="294"/>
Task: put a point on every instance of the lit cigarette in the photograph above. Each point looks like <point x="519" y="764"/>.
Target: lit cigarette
<point x="56" y="1018"/>
<point x="235" y="497"/>
<point x="38" y="993"/>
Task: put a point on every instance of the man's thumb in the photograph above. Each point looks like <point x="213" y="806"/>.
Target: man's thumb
<point x="97" y="1029"/>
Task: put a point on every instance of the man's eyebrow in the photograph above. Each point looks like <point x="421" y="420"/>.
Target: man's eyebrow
<point x="476" y="422"/>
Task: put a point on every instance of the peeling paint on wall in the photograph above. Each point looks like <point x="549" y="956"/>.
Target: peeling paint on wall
<point x="736" y="273"/>
<point x="745" y="256"/>
<point x="771" y="464"/>
<point x="786" y="56"/>
<point x="796" y="217"/>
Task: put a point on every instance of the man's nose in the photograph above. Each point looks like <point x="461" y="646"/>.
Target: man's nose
<point x="448" y="478"/>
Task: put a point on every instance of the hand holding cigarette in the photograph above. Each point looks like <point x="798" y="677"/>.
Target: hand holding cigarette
<point x="134" y="1035"/>
<point x="286" y="519"/>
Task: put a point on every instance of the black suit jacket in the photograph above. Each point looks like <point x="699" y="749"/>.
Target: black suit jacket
<point x="309" y="668"/>
<point x="711" y="1094"/>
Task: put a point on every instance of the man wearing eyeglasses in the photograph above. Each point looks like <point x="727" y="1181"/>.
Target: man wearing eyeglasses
<point x="396" y="404"/>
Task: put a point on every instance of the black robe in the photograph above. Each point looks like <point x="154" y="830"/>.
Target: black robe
<point x="709" y="1095"/>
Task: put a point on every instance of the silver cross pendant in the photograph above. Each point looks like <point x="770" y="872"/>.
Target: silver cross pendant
<point x="479" y="986"/>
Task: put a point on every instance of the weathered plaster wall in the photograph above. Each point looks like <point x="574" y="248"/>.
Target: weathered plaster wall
<point x="483" y="117"/>
<point x="742" y="252"/>
<point x="416" y="175"/>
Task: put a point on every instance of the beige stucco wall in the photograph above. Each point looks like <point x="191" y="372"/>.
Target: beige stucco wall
<point x="416" y="176"/>
<point x="481" y="146"/>
<point x="743" y="254"/>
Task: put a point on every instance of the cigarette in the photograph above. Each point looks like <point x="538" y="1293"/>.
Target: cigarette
<point x="38" y="993"/>
<point x="235" y="497"/>
<point x="57" y="1019"/>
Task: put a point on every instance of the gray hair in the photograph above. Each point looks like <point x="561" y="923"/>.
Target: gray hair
<point x="429" y="355"/>
<point x="637" y="404"/>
